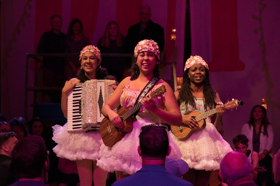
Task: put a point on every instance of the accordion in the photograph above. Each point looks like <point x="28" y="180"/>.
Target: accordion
<point x="84" y="105"/>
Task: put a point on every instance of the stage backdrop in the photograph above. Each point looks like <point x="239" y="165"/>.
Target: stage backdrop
<point x="240" y="40"/>
<point x="23" y="23"/>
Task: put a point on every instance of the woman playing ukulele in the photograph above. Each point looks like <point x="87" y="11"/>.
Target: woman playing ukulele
<point x="205" y="148"/>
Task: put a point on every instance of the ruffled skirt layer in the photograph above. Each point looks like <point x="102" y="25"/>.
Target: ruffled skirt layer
<point x="76" y="146"/>
<point x="205" y="149"/>
<point x="124" y="157"/>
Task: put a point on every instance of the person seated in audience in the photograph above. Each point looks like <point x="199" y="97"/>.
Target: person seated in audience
<point x="112" y="41"/>
<point x="75" y="42"/>
<point x="7" y="142"/>
<point x="36" y="127"/>
<point x="241" y="145"/>
<point x="18" y="125"/>
<point x="235" y="169"/>
<point x="260" y="134"/>
<point x="4" y="127"/>
<point x="30" y="161"/>
<point x="153" y="149"/>
<point x="276" y="168"/>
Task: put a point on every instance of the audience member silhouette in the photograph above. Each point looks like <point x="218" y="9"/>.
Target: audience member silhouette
<point x="7" y="142"/>
<point x="75" y="42"/>
<point x="145" y="29"/>
<point x="4" y="127"/>
<point x="18" y="125"/>
<point x="112" y="41"/>
<point x="53" y="41"/>
<point x="241" y="145"/>
<point x="235" y="169"/>
<point x="30" y="161"/>
<point x="153" y="149"/>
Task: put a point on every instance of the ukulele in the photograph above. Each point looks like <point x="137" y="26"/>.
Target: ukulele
<point x="111" y="134"/>
<point x="184" y="132"/>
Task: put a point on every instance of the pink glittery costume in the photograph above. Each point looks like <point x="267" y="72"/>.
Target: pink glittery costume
<point x="123" y="156"/>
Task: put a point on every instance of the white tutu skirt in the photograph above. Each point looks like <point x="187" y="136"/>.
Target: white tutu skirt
<point x="76" y="146"/>
<point x="124" y="157"/>
<point x="205" y="149"/>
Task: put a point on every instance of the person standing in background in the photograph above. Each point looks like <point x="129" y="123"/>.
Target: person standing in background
<point x="113" y="42"/>
<point x="75" y="42"/>
<point x="53" y="41"/>
<point x="145" y="29"/>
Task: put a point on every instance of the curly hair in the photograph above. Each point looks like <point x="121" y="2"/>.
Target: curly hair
<point x="105" y="39"/>
<point x="264" y="121"/>
<point x="185" y="94"/>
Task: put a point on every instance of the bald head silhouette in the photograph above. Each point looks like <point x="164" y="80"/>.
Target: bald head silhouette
<point x="235" y="166"/>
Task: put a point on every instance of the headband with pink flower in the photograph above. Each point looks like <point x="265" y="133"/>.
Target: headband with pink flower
<point x="147" y="46"/>
<point x="91" y="48"/>
<point x="195" y="60"/>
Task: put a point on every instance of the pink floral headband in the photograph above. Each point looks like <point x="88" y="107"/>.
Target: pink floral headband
<point x="91" y="48"/>
<point x="147" y="45"/>
<point x="195" y="60"/>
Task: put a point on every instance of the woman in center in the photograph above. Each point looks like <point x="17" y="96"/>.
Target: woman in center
<point x="123" y="156"/>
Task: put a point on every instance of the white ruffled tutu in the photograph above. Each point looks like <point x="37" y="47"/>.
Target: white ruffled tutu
<point x="205" y="149"/>
<point x="76" y="146"/>
<point x="124" y="157"/>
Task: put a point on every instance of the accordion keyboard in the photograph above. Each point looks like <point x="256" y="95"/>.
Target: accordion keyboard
<point x="74" y="118"/>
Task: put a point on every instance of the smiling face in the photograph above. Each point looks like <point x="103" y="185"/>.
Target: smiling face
<point x="197" y="73"/>
<point x="146" y="61"/>
<point x="89" y="63"/>
<point x="56" y="23"/>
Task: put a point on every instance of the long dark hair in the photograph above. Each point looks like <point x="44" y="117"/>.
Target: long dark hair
<point x="70" y="33"/>
<point x="264" y="121"/>
<point x="135" y="71"/>
<point x="185" y="94"/>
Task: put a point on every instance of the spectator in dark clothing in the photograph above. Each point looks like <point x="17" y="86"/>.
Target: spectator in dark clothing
<point x="53" y="41"/>
<point x="18" y="126"/>
<point x="145" y="29"/>
<point x="7" y="142"/>
<point x="30" y="161"/>
<point x="153" y="149"/>
<point x="112" y="42"/>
